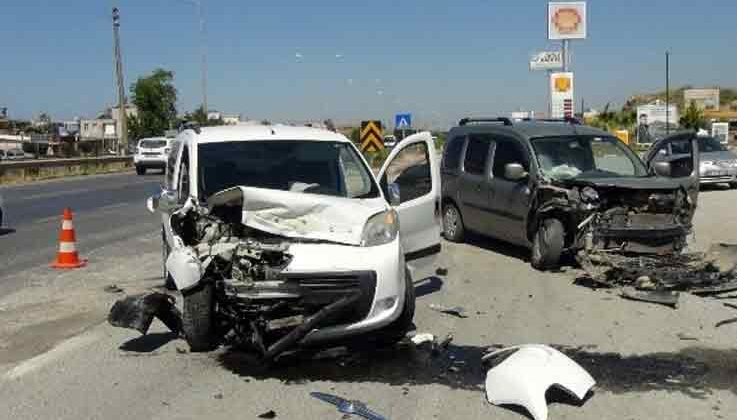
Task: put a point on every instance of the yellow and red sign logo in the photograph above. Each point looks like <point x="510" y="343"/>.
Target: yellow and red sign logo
<point x="567" y="21"/>
<point x="562" y="84"/>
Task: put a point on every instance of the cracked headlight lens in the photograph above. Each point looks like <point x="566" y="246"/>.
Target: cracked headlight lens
<point x="380" y="229"/>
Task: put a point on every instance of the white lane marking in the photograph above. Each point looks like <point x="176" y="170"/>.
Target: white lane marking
<point x="56" y="353"/>
<point x="88" y="214"/>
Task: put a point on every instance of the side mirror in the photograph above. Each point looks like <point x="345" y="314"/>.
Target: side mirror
<point x="152" y="203"/>
<point x="662" y="168"/>
<point x="395" y="197"/>
<point x="164" y="201"/>
<point x="514" y="172"/>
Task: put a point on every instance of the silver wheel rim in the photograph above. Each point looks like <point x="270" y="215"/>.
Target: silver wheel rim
<point x="451" y="221"/>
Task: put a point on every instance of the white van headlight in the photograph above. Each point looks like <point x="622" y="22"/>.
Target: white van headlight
<point x="380" y="229"/>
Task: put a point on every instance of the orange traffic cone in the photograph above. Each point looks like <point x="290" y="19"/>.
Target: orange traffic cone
<point x="67" y="256"/>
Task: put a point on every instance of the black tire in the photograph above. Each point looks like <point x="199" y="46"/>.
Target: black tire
<point x="198" y="318"/>
<point x="140" y="170"/>
<point x="168" y="279"/>
<point x="453" y="229"/>
<point x="547" y="244"/>
<point x="733" y="185"/>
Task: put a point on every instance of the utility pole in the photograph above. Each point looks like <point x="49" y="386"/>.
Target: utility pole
<point x="123" y="135"/>
<point x="667" y="92"/>
<point x="203" y="57"/>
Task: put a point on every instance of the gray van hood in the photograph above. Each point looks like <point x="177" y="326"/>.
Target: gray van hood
<point x="644" y="183"/>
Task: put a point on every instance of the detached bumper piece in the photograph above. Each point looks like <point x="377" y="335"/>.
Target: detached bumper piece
<point x="137" y="312"/>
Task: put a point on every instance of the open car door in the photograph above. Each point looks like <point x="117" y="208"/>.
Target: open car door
<point x="410" y="180"/>
<point x="677" y="157"/>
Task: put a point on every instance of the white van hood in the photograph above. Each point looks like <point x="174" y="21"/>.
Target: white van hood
<point x="301" y="215"/>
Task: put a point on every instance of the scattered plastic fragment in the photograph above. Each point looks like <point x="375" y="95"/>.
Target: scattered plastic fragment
<point x="526" y="374"/>
<point x="455" y="310"/>
<point x="137" y="312"/>
<point x="661" y="297"/>
<point x="271" y="414"/>
<point x="441" y="271"/>
<point x="348" y="407"/>
<point x="113" y="288"/>
<point x="418" y="339"/>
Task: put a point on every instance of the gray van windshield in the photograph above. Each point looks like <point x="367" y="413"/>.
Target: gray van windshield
<point x="578" y="157"/>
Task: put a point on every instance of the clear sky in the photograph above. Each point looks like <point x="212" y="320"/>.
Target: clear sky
<point x="353" y="60"/>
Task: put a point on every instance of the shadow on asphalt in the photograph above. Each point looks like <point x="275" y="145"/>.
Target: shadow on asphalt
<point x="401" y="365"/>
<point x="428" y="286"/>
<point x="6" y="231"/>
<point x="148" y="343"/>
<point x="694" y="371"/>
<point x="712" y="188"/>
<point x="498" y="246"/>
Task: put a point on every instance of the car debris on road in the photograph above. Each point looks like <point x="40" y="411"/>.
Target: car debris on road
<point x="137" y="312"/>
<point x="348" y="407"/>
<point x="525" y="374"/>
<point x="458" y="311"/>
<point x="659" y="278"/>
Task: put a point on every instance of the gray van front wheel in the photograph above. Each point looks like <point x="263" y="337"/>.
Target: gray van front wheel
<point x="547" y="245"/>
<point x="453" y="229"/>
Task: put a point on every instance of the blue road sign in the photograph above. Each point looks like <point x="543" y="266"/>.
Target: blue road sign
<point x="403" y="121"/>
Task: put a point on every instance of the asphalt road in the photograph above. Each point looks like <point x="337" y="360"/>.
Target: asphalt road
<point x="59" y="358"/>
<point x="107" y="209"/>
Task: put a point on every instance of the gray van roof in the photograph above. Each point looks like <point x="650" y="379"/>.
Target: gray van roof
<point x="532" y="129"/>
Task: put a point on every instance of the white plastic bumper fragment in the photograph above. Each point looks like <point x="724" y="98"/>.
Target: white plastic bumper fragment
<point x="184" y="267"/>
<point x="524" y="377"/>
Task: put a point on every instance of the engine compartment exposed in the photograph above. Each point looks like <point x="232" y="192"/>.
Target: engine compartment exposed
<point x="257" y="302"/>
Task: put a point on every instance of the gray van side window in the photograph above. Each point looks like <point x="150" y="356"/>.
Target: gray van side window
<point x="453" y="150"/>
<point x="477" y="154"/>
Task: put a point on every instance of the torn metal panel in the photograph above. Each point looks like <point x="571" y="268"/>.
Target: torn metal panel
<point x="661" y="297"/>
<point x="528" y="372"/>
<point x="299" y="215"/>
<point x="348" y="407"/>
<point x="137" y="312"/>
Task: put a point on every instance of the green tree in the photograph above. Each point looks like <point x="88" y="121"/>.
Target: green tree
<point x="693" y="118"/>
<point x="155" y="97"/>
<point x="200" y="117"/>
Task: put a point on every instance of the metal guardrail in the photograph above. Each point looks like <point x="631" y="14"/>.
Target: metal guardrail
<point x="47" y="163"/>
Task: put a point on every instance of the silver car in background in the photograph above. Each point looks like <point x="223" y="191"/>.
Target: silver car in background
<point x="718" y="164"/>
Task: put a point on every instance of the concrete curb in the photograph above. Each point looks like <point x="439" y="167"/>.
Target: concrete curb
<point x="25" y="171"/>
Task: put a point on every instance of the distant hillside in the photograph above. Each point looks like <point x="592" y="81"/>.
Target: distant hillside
<point x="727" y="97"/>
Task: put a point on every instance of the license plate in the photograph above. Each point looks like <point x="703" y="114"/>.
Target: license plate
<point x="150" y="154"/>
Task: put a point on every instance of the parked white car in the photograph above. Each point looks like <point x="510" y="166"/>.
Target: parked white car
<point x="151" y="153"/>
<point x="282" y="236"/>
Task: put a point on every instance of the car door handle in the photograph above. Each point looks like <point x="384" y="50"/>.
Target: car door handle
<point x="478" y="187"/>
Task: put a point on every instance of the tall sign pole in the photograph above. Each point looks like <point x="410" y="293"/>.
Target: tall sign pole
<point x="123" y="135"/>
<point x="566" y="21"/>
<point x="667" y="92"/>
<point x="203" y="56"/>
